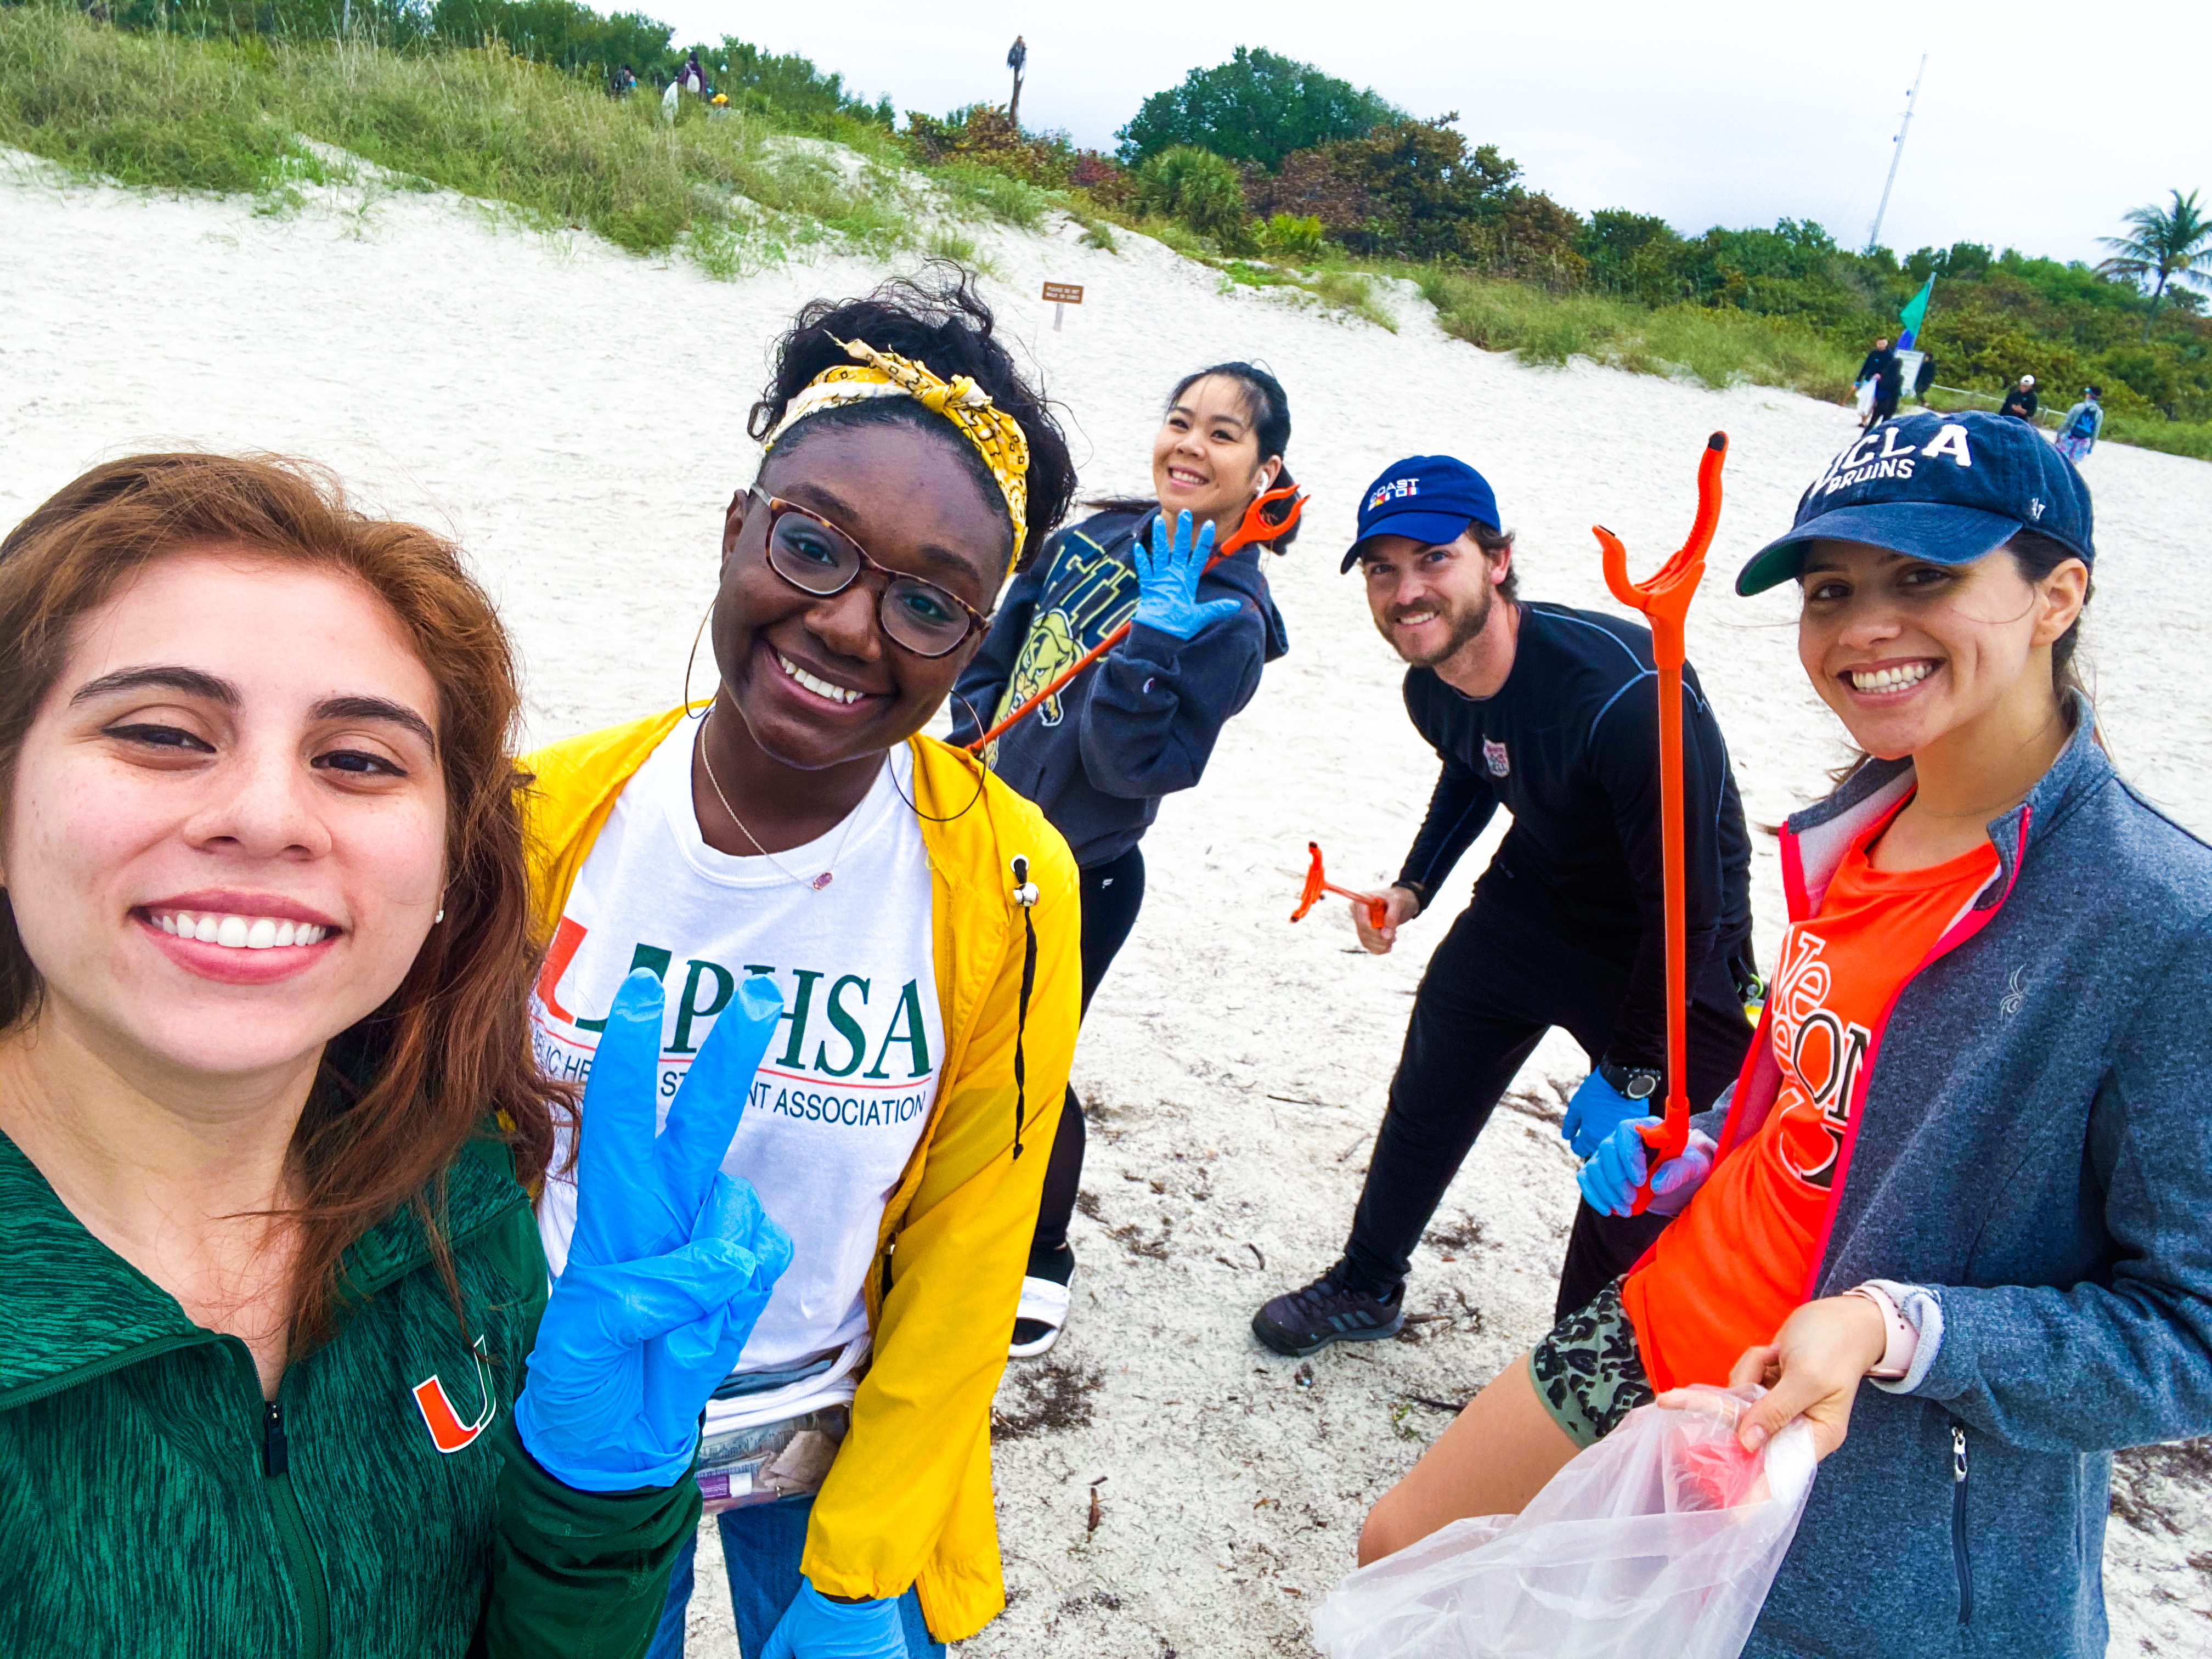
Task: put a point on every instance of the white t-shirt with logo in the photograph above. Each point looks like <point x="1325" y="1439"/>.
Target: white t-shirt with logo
<point x="843" y="1097"/>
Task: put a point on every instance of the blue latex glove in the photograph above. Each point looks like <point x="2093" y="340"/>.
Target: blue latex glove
<point x="1597" y="1106"/>
<point x="671" y="1261"/>
<point x="1166" y="579"/>
<point x="1609" y="1180"/>
<point x="815" y="1627"/>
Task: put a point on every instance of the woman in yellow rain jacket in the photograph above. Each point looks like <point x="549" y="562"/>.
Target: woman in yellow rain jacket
<point x="921" y="922"/>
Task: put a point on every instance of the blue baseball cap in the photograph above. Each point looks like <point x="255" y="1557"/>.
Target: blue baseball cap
<point x="1943" y="488"/>
<point x="1430" y="498"/>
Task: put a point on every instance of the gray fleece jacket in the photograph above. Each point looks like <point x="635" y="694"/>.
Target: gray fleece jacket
<point x="2032" y="1144"/>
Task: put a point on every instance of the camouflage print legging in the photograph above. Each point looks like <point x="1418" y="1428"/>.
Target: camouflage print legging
<point x="1588" y="1372"/>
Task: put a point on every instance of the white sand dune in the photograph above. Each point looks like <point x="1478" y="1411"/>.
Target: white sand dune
<point x="576" y="417"/>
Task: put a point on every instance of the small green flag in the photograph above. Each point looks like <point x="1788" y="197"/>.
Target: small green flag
<point x="1915" y="311"/>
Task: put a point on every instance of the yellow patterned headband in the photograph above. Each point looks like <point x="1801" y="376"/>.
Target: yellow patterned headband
<point x="876" y="373"/>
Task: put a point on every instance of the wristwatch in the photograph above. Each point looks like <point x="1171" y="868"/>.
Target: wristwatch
<point x="1636" y="1083"/>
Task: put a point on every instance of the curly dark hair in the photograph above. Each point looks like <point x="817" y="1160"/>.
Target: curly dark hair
<point x="936" y="318"/>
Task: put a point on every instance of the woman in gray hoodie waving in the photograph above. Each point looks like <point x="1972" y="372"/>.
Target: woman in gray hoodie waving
<point x="1099" y="754"/>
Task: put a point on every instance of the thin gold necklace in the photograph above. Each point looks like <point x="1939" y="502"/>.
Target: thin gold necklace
<point x="814" y="885"/>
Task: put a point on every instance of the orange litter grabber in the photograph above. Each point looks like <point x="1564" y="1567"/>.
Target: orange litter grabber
<point x="1317" y="882"/>
<point x="1665" y="602"/>
<point x="1270" y="515"/>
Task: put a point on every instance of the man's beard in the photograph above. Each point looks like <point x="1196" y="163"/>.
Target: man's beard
<point x="1464" y="625"/>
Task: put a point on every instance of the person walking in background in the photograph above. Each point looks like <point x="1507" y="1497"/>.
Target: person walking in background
<point x="2019" y="402"/>
<point x="1876" y="368"/>
<point x="625" y="81"/>
<point x="1970" y="1160"/>
<point x="2078" y="432"/>
<point x="1889" y="387"/>
<point x="921" y="922"/>
<point x="1925" y="377"/>
<point x="1141" y="723"/>
<point x="1551" y="713"/>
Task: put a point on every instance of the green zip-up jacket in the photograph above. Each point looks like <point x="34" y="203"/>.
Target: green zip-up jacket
<point x="153" y="1504"/>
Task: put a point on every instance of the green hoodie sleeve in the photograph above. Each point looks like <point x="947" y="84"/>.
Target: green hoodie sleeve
<point x="577" y="1573"/>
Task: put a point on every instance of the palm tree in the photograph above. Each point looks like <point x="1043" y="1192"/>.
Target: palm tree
<point x="2167" y="243"/>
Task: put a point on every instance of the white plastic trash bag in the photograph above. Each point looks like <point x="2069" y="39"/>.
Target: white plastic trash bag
<point x="1660" y="1539"/>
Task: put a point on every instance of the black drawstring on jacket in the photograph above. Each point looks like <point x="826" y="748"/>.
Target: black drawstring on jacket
<point x="1025" y="895"/>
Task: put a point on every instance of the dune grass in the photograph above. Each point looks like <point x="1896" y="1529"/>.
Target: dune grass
<point x="165" y="112"/>
<point x="1717" y="347"/>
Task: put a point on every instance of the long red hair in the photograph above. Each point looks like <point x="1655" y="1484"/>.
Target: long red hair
<point x="449" y="1055"/>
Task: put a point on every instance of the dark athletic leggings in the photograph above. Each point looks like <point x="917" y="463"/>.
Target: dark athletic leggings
<point x="1496" y="984"/>
<point x="1112" y="894"/>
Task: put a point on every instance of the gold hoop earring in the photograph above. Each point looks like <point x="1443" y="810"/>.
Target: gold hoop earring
<point x="692" y="658"/>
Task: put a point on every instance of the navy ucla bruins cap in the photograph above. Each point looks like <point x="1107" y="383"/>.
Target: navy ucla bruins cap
<point x="1943" y="488"/>
<point x="1430" y="498"/>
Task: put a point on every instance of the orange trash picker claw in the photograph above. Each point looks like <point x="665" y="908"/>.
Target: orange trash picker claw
<point x="1665" y="602"/>
<point x="1317" y="882"/>
<point x="1271" y="516"/>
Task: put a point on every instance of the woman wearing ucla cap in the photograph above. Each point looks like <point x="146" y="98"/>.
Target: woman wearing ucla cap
<point x="920" y="921"/>
<point x="1968" y="1157"/>
<point x="1098" y="755"/>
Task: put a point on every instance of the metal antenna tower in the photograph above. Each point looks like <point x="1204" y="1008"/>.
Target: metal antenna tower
<point x="1896" y="154"/>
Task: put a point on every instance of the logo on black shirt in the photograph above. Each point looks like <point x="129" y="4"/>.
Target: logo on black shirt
<point x="1493" y="756"/>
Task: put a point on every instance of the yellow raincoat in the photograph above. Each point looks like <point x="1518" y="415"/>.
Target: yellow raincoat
<point x="908" y="1500"/>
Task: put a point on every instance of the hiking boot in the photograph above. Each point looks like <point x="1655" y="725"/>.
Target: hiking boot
<point x="1329" y="1310"/>
<point x="1043" y="1314"/>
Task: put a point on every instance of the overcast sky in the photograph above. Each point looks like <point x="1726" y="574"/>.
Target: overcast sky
<point x="2038" y="125"/>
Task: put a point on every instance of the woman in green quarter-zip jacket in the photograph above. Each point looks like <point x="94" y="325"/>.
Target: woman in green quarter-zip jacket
<point x="270" y="1282"/>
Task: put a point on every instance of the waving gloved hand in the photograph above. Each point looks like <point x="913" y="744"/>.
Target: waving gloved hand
<point x="1609" y="1180"/>
<point x="815" y="1627"/>
<point x="672" y="1263"/>
<point x="1166" y="579"/>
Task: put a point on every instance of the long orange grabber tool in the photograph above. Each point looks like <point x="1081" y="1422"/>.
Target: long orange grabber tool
<point x="1271" y="516"/>
<point x="1665" y="602"/>
<point x="1317" y="882"/>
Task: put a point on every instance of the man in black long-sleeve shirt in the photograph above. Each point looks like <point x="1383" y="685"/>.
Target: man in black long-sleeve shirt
<point x="1551" y="713"/>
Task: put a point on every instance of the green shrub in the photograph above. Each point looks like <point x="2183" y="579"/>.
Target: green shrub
<point x="1290" y="236"/>
<point x="1197" y="189"/>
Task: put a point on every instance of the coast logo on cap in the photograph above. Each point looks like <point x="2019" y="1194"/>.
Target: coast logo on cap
<point x="1947" y="489"/>
<point x="1428" y="499"/>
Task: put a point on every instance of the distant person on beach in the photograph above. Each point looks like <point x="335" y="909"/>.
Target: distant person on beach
<point x="1925" y="377"/>
<point x="1881" y="367"/>
<point x="1971" y="1160"/>
<point x="1551" y="713"/>
<point x="1142" y="722"/>
<point x="921" y="921"/>
<point x="1889" y="387"/>
<point x="281" y="1375"/>
<point x="2019" y="402"/>
<point x="2078" y="432"/>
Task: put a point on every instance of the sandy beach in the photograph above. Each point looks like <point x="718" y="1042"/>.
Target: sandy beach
<point x="575" y="415"/>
